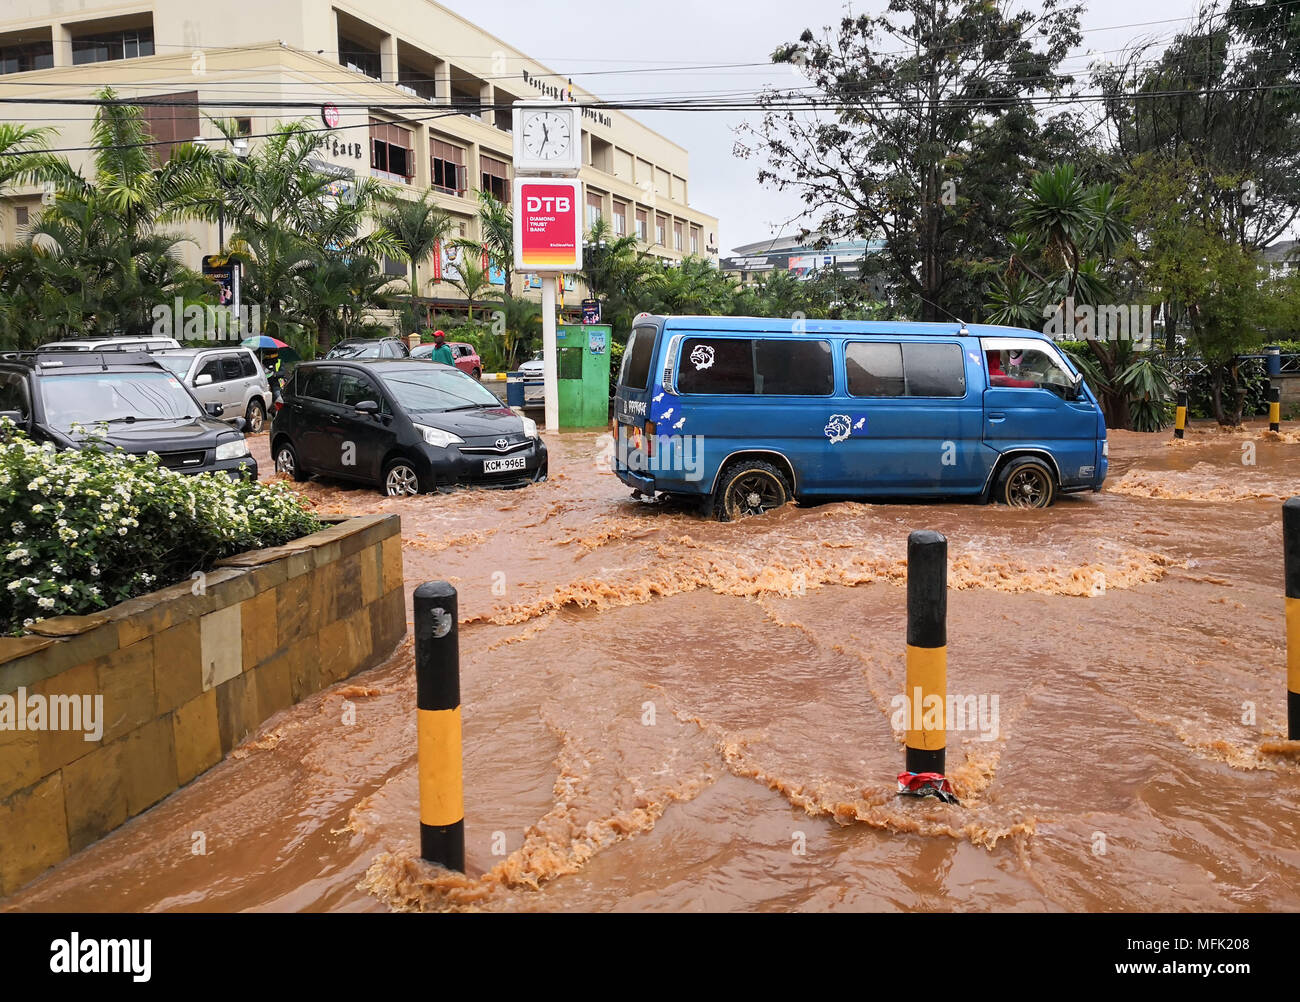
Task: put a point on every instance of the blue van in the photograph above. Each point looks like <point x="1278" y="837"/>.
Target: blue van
<point x="745" y="413"/>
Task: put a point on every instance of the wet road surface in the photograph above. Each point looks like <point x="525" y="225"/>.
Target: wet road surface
<point x="664" y="713"/>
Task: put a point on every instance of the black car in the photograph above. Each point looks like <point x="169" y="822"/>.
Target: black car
<point x="124" y="398"/>
<point x="383" y="347"/>
<point x="407" y="426"/>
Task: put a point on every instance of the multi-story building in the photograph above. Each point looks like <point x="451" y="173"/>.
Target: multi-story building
<point x="403" y="90"/>
<point x="787" y="252"/>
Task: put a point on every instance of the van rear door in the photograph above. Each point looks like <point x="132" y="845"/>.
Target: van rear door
<point x="636" y="379"/>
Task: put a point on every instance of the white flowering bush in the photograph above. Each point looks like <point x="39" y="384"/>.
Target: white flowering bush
<point x="88" y="529"/>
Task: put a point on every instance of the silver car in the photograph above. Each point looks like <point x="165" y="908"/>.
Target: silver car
<point x="232" y="377"/>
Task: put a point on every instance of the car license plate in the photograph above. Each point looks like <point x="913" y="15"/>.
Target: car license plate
<point x="504" y="465"/>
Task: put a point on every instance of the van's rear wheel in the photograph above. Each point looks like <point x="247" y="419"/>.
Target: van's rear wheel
<point x="750" y="487"/>
<point x="1026" y="483"/>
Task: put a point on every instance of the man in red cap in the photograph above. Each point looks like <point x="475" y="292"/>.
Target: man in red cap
<point x="441" y="351"/>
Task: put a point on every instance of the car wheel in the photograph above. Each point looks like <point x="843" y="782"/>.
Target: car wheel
<point x="1026" y="483"/>
<point x="286" y="462"/>
<point x="256" y="416"/>
<point x="750" y="487"/>
<point x="401" y="479"/>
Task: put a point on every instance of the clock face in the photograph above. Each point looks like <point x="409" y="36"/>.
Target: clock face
<point x="547" y="135"/>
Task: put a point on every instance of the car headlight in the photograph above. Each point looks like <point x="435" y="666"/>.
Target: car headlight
<point x="232" y="450"/>
<point x="530" y="428"/>
<point x="438" y="437"/>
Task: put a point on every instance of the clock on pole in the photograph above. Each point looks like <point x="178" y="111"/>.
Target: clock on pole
<point x="547" y="138"/>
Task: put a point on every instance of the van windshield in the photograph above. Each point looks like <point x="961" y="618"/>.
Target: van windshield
<point x="636" y="359"/>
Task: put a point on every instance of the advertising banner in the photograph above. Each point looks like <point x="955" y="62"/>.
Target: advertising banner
<point x="548" y="225"/>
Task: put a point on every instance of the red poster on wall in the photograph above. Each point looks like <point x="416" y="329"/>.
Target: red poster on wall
<point x="548" y="225"/>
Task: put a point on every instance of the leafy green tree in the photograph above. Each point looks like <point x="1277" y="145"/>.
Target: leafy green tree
<point x="926" y="120"/>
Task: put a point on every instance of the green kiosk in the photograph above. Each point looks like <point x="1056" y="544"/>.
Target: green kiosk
<point x="582" y="373"/>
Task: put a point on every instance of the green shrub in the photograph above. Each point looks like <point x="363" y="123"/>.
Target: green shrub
<point x="615" y="363"/>
<point x="91" y="528"/>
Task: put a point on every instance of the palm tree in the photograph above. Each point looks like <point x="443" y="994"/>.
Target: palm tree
<point x="472" y="277"/>
<point x="418" y="227"/>
<point x="496" y="225"/>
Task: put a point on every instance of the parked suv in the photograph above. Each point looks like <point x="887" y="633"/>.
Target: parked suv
<point x="408" y="426"/>
<point x="379" y="347"/>
<point x="231" y="377"/>
<point x="466" y="357"/>
<point x="127" y="399"/>
<point x="125" y="342"/>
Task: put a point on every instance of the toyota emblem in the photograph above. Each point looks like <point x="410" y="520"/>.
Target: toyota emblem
<point x="502" y="443"/>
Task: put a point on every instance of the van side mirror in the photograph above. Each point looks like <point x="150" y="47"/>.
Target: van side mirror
<point x="368" y="408"/>
<point x="202" y="380"/>
<point x="214" y="410"/>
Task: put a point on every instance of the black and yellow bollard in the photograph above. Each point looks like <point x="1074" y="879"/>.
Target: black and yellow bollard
<point x="1180" y="414"/>
<point x="1275" y="408"/>
<point x="1291" y="572"/>
<point x="437" y="698"/>
<point x="927" y="667"/>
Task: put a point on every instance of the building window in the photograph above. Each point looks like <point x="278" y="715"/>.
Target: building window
<point x="593" y="209"/>
<point x="103" y="47"/>
<point x="661" y="231"/>
<point x="243" y="126"/>
<point x="391" y="153"/>
<point x="620" y="219"/>
<point x="641" y="217"/>
<point x="23" y="58"/>
<point x="448" y="171"/>
<point x="494" y="178"/>
<point x="356" y="55"/>
<point x="21" y="214"/>
<point x="418" y="83"/>
<point x="695" y="241"/>
<point x="678" y="243"/>
<point x="171" y="119"/>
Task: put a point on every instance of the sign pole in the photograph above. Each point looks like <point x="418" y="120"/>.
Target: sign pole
<point x="550" y="380"/>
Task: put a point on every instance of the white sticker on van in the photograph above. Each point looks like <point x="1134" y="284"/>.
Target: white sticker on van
<point x="666" y="414"/>
<point x="860" y="423"/>
<point x="702" y="356"/>
<point x="839" y="428"/>
<point x="680" y="422"/>
<point x="658" y="397"/>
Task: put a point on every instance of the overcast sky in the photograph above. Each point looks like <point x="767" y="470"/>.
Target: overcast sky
<point x="577" y="36"/>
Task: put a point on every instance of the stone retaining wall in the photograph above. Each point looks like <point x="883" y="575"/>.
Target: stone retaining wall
<point x="185" y="674"/>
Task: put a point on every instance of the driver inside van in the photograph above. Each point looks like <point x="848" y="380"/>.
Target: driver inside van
<point x="998" y="376"/>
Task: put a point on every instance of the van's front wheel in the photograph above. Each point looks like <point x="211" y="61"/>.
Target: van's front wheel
<point x="749" y="487"/>
<point x="1026" y="483"/>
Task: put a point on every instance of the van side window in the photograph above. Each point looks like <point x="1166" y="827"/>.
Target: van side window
<point x="874" y="368"/>
<point x="793" y="367"/>
<point x="716" y="365"/>
<point x="934" y="370"/>
<point x="636" y="358"/>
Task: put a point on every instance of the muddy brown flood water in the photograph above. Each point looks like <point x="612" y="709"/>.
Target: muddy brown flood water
<point x="659" y="712"/>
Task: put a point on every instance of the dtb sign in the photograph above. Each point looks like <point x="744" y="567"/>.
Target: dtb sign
<point x="548" y="225"/>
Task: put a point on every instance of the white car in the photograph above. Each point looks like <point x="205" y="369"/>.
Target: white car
<point x="231" y="377"/>
<point x="139" y="342"/>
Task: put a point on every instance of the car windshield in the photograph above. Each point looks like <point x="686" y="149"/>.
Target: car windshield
<point x="179" y="364"/>
<point x="430" y="388"/>
<point x="92" y="398"/>
<point x="356" y="349"/>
